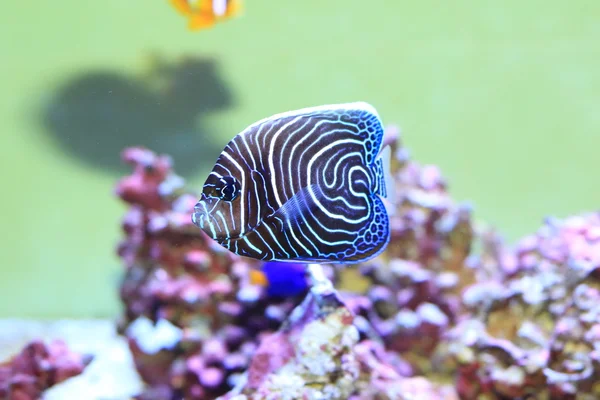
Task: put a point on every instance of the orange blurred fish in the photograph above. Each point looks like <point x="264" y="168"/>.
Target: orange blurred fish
<point x="204" y="14"/>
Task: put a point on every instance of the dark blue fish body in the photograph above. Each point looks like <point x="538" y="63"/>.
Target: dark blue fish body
<point x="305" y="185"/>
<point x="282" y="279"/>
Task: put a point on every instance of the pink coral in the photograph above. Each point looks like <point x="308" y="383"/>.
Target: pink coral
<point x="38" y="367"/>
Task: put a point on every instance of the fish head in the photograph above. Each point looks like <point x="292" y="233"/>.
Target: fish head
<point x="219" y="209"/>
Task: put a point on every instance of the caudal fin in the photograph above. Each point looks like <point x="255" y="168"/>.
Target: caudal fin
<point x="385" y="185"/>
<point x="380" y="184"/>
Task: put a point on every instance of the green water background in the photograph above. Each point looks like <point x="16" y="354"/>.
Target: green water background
<point x="503" y="96"/>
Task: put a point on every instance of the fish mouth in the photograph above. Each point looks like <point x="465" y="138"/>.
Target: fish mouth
<point x="198" y="218"/>
<point x="202" y="219"/>
<point x="212" y="226"/>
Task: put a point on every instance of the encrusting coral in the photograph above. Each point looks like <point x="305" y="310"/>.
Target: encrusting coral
<point x="38" y="367"/>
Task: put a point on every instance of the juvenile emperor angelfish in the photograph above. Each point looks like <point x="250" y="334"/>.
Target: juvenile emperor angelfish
<point x="304" y="185"/>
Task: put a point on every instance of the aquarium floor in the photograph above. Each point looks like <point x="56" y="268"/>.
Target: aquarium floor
<point x="110" y="376"/>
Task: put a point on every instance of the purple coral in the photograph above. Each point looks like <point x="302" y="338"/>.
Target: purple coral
<point x="318" y="354"/>
<point x="38" y="367"/>
<point x="505" y="323"/>
<point x="177" y="275"/>
<point x="191" y="316"/>
<point x="535" y="329"/>
<point x="414" y="288"/>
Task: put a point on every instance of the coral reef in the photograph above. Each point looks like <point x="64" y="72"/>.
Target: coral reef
<point x="499" y="322"/>
<point x="535" y="328"/>
<point x="208" y="342"/>
<point x="317" y="355"/>
<point x="191" y="316"/>
<point x="38" y="367"/>
<point x="414" y="290"/>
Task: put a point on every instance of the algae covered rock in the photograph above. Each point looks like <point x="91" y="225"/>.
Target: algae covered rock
<point x="318" y="354"/>
<point x="534" y="330"/>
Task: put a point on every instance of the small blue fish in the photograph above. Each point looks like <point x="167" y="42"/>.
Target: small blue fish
<point x="305" y="185"/>
<point x="281" y="279"/>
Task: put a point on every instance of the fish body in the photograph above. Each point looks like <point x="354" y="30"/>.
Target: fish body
<point x="281" y="279"/>
<point x="204" y="14"/>
<point x="304" y="185"/>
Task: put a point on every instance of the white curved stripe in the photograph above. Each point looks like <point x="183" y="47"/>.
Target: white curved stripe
<point x="289" y="172"/>
<point x="231" y="215"/>
<point x="297" y="240"/>
<point x="243" y="182"/>
<point x="250" y="154"/>
<point x="314" y="198"/>
<point x="265" y="242"/>
<point x="238" y="151"/>
<point x="319" y="238"/>
<point x="257" y="198"/>
<point x="285" y="235"/>
<point x="245" y="238"/>
<point x="329" y="229"/>
<point x="326" y="168"/>
<point x="212" y="229"/>
<point x="291" y="156"/>
<point x="358" y="194"/>
<point x="272" y="153"/>
<point x="275" y="239"/>
<point x="258" y="146"/>
<point x="220" y="215"/>
<point x="305" y="236"/>
<point x="343" y="200"/>
<point x="335" y="168"/>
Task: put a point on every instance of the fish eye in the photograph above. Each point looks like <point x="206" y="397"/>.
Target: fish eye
<point x="229" y="188"/>
<point x="212" y="191"/>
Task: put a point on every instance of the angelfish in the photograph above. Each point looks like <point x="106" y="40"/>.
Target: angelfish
<point x="305" y="185"/>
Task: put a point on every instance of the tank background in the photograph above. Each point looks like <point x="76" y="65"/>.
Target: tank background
<point x="502" y="97"/>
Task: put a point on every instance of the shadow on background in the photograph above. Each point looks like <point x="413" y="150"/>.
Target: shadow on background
<point x="96" y="115"/>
